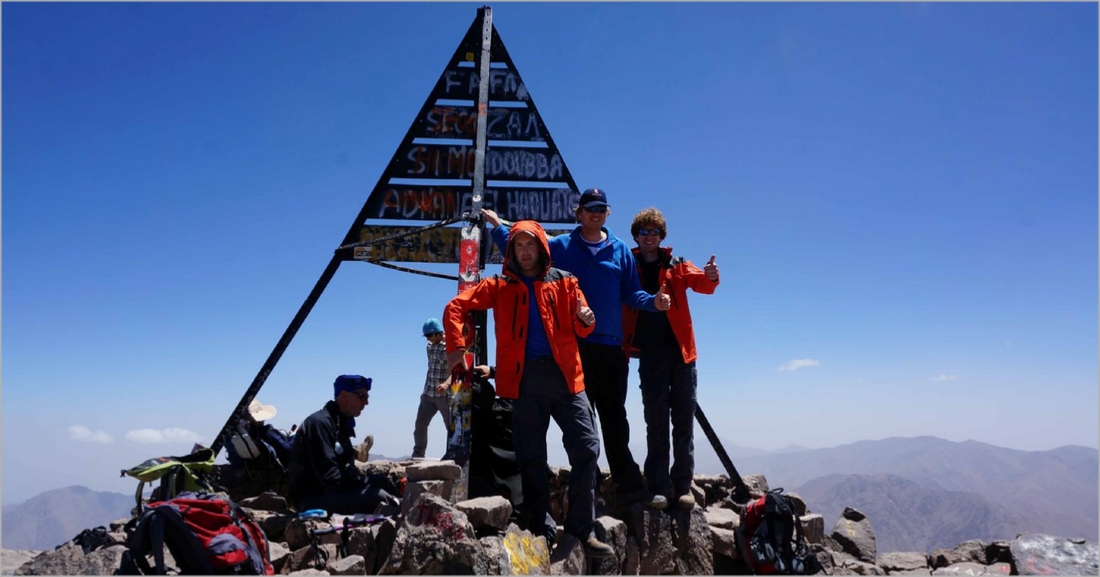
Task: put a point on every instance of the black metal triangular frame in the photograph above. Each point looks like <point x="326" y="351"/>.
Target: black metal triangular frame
<point x="471" y="44"/>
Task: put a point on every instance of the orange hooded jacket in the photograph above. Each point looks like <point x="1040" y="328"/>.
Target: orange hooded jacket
<point x="678" y="275"/>
<point x="556" y="294"/>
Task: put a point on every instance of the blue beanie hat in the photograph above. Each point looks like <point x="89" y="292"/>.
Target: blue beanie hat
<point x="432" y="326"/>
<point x="349" y="383"/>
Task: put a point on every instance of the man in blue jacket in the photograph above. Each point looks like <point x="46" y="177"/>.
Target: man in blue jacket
<point x="608" y="276"/>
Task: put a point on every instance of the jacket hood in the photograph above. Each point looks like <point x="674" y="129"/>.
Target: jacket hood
<point x="511" y="267"/>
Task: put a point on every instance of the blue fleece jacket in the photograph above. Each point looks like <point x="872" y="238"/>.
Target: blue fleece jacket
<point x="609" y="279"/>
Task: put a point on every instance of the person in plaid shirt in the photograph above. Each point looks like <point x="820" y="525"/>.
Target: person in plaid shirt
<point x="436" y="387"/>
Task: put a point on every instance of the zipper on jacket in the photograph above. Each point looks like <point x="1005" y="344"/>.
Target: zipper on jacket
<point x="515" y="306"/>
<point x="521" y="327"/>
<point x="554" y="313"/>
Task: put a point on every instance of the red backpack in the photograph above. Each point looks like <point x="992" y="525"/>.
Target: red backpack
<point x="770" y="537"/>
<point x="205" y="534"/>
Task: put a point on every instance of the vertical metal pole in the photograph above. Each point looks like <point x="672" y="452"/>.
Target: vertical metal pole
<point x="480" y="319"/>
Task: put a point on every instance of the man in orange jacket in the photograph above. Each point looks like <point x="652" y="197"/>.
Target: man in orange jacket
<point x="539" y="312"/>
<point x="665" y="345"/>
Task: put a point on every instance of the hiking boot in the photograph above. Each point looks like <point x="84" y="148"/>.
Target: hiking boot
<point x="658" y="502"/>
<point x="597" y="549"/>
<point x="646" y="498"/>
<point x="686" y="501"/>
<point x="364" y="449"/>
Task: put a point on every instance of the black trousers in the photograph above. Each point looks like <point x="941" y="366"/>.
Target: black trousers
<point x="605" y="373"/>
<point x="543" y="395"/>
<point x="668" y="394"/>
<point x="376" y="490"/>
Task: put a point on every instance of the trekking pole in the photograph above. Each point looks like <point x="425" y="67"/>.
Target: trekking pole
<point x="740" y="491"/>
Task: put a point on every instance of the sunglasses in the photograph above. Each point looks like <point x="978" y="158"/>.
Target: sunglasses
<point x="362" y="396"/>
<point x="600" y="209"/>
<point x="649" y="231"/>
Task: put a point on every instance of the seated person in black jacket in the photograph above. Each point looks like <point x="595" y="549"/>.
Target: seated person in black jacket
<point x="322" y="469"/>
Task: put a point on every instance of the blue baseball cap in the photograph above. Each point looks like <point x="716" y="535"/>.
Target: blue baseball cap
<point x="431" y="327"/>
<point x="349" y="383"/>
<point x="594" y="197"/>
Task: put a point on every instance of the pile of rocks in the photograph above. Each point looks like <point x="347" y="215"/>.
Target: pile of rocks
<point x="430" y="535"/>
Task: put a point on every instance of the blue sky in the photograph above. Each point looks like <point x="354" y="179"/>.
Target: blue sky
<point x="902" y="199"/>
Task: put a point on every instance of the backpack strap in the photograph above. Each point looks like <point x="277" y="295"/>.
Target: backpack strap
<point x="185" y="547"/>
<point x="259" y="547"/>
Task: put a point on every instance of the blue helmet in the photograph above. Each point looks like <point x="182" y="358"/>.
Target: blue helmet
<point x="432" y="326"/>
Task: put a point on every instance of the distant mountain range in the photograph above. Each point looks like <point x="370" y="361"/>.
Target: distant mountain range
<point x="54" y="517"/>
<point x="926" y="492"/>
<point x="908" y="517"/>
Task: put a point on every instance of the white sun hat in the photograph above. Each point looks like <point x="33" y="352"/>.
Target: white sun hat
<point x="260" y="411"/>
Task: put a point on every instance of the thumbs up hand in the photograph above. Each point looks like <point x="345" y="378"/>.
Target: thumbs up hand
<point x="711" y="270"/>
<point x="661" y="300"/>
<point x="585" y="314"/>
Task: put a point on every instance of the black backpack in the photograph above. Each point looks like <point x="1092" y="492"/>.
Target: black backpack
<point x="770" y="537"/>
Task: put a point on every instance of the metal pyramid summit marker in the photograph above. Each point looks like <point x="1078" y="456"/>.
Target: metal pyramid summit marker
<point x="478" y="141"/>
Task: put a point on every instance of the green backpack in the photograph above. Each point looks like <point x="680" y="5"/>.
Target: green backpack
<point x="193" y="472"/>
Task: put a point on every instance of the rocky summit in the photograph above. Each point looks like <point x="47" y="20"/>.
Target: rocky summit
<point x="429" y="534"/>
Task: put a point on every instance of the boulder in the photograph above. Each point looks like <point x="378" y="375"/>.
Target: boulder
<point x="299" y="532"/>
<point x="428" y="550"/>
<point x="970" y="568"/>
<point x="350" y="565"/>
<point x="559" y="496"/>
<point x="384" y="539"/>
<point x="1039" y="554"/>
<point x="278" y="555"/>
<point x="972" y="551"/>
<point x="361" y="543"/>
<point x="118" y="524"/>
<point x="854" y="534"/>
<point x="721" y="518"/>
<point x="799" y="504"/>
<point x="309" y="572"/>
<point x="699" y="494"/>
<point x="487" y="512"/>
<point x="413" y="490"/>
<point x="497" y="554"/>
<point x="433" y="471"/>
<point x="846" y="564"/>
<point x="813" y="528"/>
<point x="12" y="559"/>
<point x="436" y="538"/>
<point x="613" y="532"/>
<point x="633" y="558"/>
<point x="653" y="532"/>
<point x="273" y="523"/>
<point x="69" y="559"/>
<point x="527" y="554"/>
<point x="757" y="485"/>
<point x="723" y="542"/>
<point x="692" y="539"/>
<point x="393" y="471"/>
<point x="897" y="562"/>
<point x="568" y="557"/>
<point x="267" y="501"/>
<point x="309" y="557"/>
<point x="716" y="487"/>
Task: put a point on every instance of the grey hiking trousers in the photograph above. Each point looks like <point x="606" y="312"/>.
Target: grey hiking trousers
<point x="428" y="407"/>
